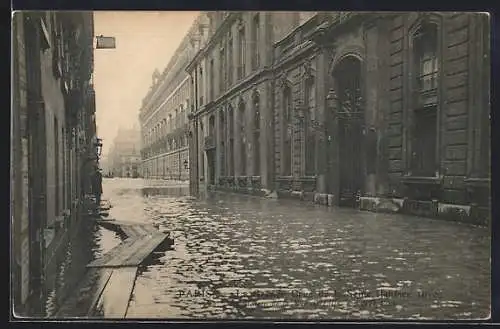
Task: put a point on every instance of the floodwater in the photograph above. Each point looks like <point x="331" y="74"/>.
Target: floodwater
<point x="85" y="243"/>
<point x="242" y="257"/>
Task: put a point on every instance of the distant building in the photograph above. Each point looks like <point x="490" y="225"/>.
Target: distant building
<point x="124" y="157"/>
<point x="163" y="117"/>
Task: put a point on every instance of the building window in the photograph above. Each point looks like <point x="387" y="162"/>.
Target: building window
<point x="230" y="119"/>
<point x="222" y="143"/>
<point x="223" y="73"/>
<point x="310" y="134"/>
<point x="286" y="169"/>
<point x="242" y="51"/>
<point x="56" y="165"/>
<point x="230" y="59"/>
<point x="424" y="138"/>
<point x="256" y="135"/>
<point x="211" y="125"/>
<point x="202" y="155"/>
<point x="201" y="86"/>
<point x="256" y="42"/>
<point x="243" y="141"/>
<point x="211" y="78"/>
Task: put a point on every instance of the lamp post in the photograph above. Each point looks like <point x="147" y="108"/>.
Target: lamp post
<point x="98" y="145"/>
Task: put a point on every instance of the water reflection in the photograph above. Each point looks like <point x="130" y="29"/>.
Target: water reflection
<point x="173" y="191"/>
<point x="240" y="257"/>
<point x="313" y="262"/>
<point x="85" y="242"/>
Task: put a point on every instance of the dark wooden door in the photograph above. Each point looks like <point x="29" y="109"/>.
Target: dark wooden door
<point x="351" y="143"/>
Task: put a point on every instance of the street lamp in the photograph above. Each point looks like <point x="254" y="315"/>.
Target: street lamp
<point x="331" y="98"/>
<point x="98" y="145"/>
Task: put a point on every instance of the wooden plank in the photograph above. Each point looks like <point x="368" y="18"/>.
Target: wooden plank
<point x="101" y="285"/>
<point x="135" y="230"/>
<point x="84" y="298"/>
<point x="129" y="231"/>
<point x="110" y="254"/>
<point x="149" y="229"/>
<point x="136" y="254"/>
<point x="120" y="222"/>
<point x="123" y="248"/>
<point x="115" y="298"/>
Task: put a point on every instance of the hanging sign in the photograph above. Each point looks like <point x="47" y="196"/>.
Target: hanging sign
<point x="105" y="42"/>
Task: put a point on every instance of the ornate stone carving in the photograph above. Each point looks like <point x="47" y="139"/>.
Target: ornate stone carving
<point x="241" y="24"/>
<point x="241" y="100"/>
<point x="255" y="96"/>
<point x="307" y="70"/>
<point x="283" y="80"/>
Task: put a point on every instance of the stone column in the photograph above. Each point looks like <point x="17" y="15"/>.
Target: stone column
<point x="237" y="140"/>
<point x="332" y="144"/>
<point x="217" y="141"/>
<point x="370" y="94"/>
<point x="266" y="135"/>
<point x="321" y="92"/>
<point x="384" y="108"/>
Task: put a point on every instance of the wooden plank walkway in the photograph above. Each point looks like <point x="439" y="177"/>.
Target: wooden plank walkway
<point x="86" y="294"/>
<point x="114" y="300"/>
<point x="131" y="252"/>
<point x="129" y="228"/>
<point x="107" y="286"/>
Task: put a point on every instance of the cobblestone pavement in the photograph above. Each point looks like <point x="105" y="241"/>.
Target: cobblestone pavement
<point x="238" y="257"/>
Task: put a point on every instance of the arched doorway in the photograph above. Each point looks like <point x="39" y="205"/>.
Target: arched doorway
<point x="349" y="114"/>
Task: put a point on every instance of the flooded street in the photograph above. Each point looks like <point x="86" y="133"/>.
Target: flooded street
<point x="238" y="257"/>
<point x="242" y="257"/>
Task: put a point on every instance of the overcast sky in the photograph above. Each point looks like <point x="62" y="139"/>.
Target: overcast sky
<point x="122" y="76"/>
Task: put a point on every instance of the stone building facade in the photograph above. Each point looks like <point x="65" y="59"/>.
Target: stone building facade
<point x="125" y="154"/>
<point x="163" y="117"/>
<point x="371" y="110"/>
<point x="232" y="106"/>
<point x="52" y="145"/>
<point x="397" y="120"/>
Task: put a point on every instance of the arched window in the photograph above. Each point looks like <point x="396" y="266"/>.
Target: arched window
<point x="425" y="105"/>
<point x="182" y="116"/>
<point x="286" y="169"/>
<point x="229" y="59"/>
<point x="255" y="41"/>
<point x="242" y="50"/>
<point x="211" y="125"/>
